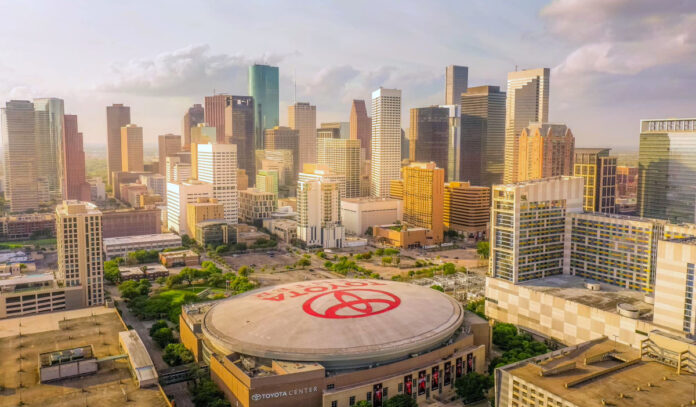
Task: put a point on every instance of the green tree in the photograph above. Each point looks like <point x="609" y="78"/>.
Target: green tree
<point x="244" y="271"/>
<point x="478" y="307"/>
<point x="111" y="271"/>
<point x="379" y="252"/>
<point x="386" y="260"/>
<point x="303" y="262"/>
<point x="401" y="400"/>
<point x="483" y="249"/>
<point x="448" y="268"/>
<point x="206" y="394"/>
<point x="158" y="325"/>
<point x="176" y="354"/>
<point x="472" y="387"/>
<point x="363" y="403"/>
<point x="437" y="287"/>
<point x="162" y="337"/>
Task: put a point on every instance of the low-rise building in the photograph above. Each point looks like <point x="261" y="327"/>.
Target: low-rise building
<point x="249" y="235"/>
<point x="131" y="222"/>
<point x="24" y="226"/>
<point x="284" y="229"/>
<point x="205" y="208"/>
<point x="180" y="258"/>
<point x="358" y="214"/>
<point x="131" y="192"/>
<point x="97" y="189"/>
<point x="255" y="205"/>
<point x="121" y="246"/>
<point x="150" y="272"/>
<point x="215" y="232"/>
<point x="399" y="235"/>
<point x="467" y="208"/>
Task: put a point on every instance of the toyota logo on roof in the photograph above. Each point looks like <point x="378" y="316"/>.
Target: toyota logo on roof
<point x="351" y="303"/>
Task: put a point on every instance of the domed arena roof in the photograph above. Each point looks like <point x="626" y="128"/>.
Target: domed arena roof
<point x="339" y="323"/>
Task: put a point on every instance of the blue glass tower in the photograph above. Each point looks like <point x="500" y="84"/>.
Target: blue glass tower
<point x="263" y="86"/>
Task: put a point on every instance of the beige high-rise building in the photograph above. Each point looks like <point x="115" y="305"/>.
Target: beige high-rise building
<point x="79" y="241"/>
<point x="456" y="83"/>
<point x="284" y="138"/>
<point x="280" y="161"/>
<point x="423" y="196"/>
<point x="342" y="156"/>
<point x="319" y="212"/>
<point x="201" y="134"/>
<point x="386" y="140"/>
<point x="117" y="116"/>
<point x="168" y="144"/>
<point x="132" y="148"/>
<point x="527" y="102"/>
<point x="255" y="205"/>
<point x="217" y="165"/>
<point x="545" y="150"/>
<point x="19" y="148"/>
<point x="303" y="118"/>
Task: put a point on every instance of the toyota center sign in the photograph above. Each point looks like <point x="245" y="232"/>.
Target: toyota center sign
<point x="283" y="394"/>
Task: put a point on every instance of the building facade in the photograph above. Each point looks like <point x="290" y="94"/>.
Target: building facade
<point x="386" y="140"/>
<point x="75" y="186"/>
<point x="179" y="195"/>
<point x="527" y="101"/>
<point x="50" y="131"/>
<point x="132" y="148"/>
<point x="117" y="116"/>
<point x="667" y="169"/>
<point x="456" y="83"/>
<point x="467" y="209"/>
<point x="263" y="87"/>
<point x="545" y="150"/>
<point x="215" y="115"/>
<point x="20" y="159"/>
<point x="193" y="116"/>
<point x="168" y="145"/>
<point x="204" y="209"/>
<point x="424" y="193"/>
<point x="239" y="130"/>
<point x="255" y="205"/>
<point x="361" y="126"/>
<point x="482" y="135"/>
<point x="267" y="181"/>
<point x="217" y="165"/>
<point x="599" y="171"/>
<point x="429" y="136"/>
<point x="303" y="118"/>
<point x="284" y="138"/>
<point x="319" y="213"/>
<point x="359" y="214"/>
<point x="342" y="156"/>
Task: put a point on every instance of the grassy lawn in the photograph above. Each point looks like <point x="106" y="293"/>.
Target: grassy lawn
<point x="41" y="242"/>
<point x="177" y="295"/>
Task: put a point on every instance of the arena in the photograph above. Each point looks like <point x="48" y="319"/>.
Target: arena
<point x="332" y="343"/>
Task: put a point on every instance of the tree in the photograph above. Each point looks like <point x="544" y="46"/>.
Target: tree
<point x="244" y="271"/>
<point x="437" y="287"/>
<point x="368" y="231"/>
<point x="363" y="403"/>
<point x="379" y="252"/>
<point x="386" y="260"/>
<point x="472" y="386"/>
<point x="401" y="400"/>
<point x="303" y="262"/>
<point x="483" y="249"/>
<point x="176" y="354"/>
<point x="163" y="337"/>
<point x="129" y="289"/>
<point x="448" y="268"/>
<point x="206" y="394"/>
<point x="111" y="271"/>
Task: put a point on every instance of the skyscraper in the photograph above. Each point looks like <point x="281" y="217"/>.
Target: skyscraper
<point x="239" y="130"/>
<point x="360" y="126"/>
<point x="201" y="134"/>
<point x="429" y="135"/>
<point x="217" y="165"/>
<point x="132" y="148"/>
<point x="423" y="196"/>
<point x="386" y="140"/>
<point x="303" y="118"/>
<point x="319" y="212"/>
<point x="75" y="186"/>
<point x="179" y="195"/>
<point x="168" y="144"/>
<point x="598" y="169"/>
<point x="79" y="242"/>
<point x="193" y="116"/>
<point x="483" y="135"/>
<point x="117" y="116"/>
<point x="545" y="150"/>
<point x="456" y="83"/>
<point x="667" y="169"/>
<point x="263" y="87"/>
<point x="215" y="114"/>
<point x="21" y="162"/>
<point x="527" y="101"/>
<point x="342" y="156"/>
<point x="49" y="140"/>
<point x="284" y="138"/>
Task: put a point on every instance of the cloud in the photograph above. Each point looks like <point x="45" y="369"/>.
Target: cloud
<point x="189" y="71"/>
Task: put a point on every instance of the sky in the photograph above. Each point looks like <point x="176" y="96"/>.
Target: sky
<point x="613" y="62"/>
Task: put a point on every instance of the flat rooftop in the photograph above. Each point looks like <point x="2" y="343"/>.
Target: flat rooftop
<point x="154" y="238"/>
<point x="112" y="385"/>
<point x="27" y="279"/>
<point x="572" y="288"/>
<point x="635" y="382"/>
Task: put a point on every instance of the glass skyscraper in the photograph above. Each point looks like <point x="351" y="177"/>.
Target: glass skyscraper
<point x="263" y="86"/>
<point x="667" y="170"/>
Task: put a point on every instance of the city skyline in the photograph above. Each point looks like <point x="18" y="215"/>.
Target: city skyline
<point x="600" y="78"/>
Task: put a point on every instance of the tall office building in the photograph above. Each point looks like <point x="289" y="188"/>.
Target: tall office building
<point x="343" y="128"/>
<point x="168" y="145"/>
<point x="132" y="148"/>
<point x="456" y="83"/>
<point x="667" y="169"/>
<point x="179" y="195"/>
<point x="429" y="135"/>
<point x="303" y="118"/>
<point x="239" y="130"/>
<point x="278" y="160"/>
<point x="386" y="140"/>
<point x="263" y="87"/>
<point x="201" y="134"/>
<point x="319" y="213"/>
<point x="79" y="243"/>
<point x="598" y="169"/>
<point x="117" y="116"/>
<point x="467" y="208"/>
<point x="528" y="221"/>
<point x="482" y="135"/>
<point x="527" y="102"/>
<point x="284" y="138"/>
<point x="49" y="131"/>
<point x="545" y="150"/>
<point x="342" y="156"/>
<point x="323" y="173"/>
<point x="217" y="165"/>
<point x="361" y="126"/>
<point x="330" y="132"/>
<point x="423" y="196"/>
<point x="454" y="142"/>
<point x="20" y="150"/>
<point x="215" y="115"/>
<point x="194" y="115"/>
<point x="75" y="186"/>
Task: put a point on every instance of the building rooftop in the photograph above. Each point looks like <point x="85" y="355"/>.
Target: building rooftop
<point x="608" y="298"/>
<point x="140" y="360"/>
<point x="367" y="199"/>
<point x="602" y="372"/>
<point x="158" y="237"/>
<point x="26" y="338"/>
<point x="537" y="181"/>
<point x="27" y="279"/>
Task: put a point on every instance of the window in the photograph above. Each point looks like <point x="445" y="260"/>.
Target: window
<point x="334" y="403"/>
<point x="330" y="386"/>
<point x="351" y="401"/>
<point x="369" y="396"/>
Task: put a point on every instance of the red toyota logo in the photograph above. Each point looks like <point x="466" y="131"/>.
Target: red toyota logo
<point x="350" y="303"/>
